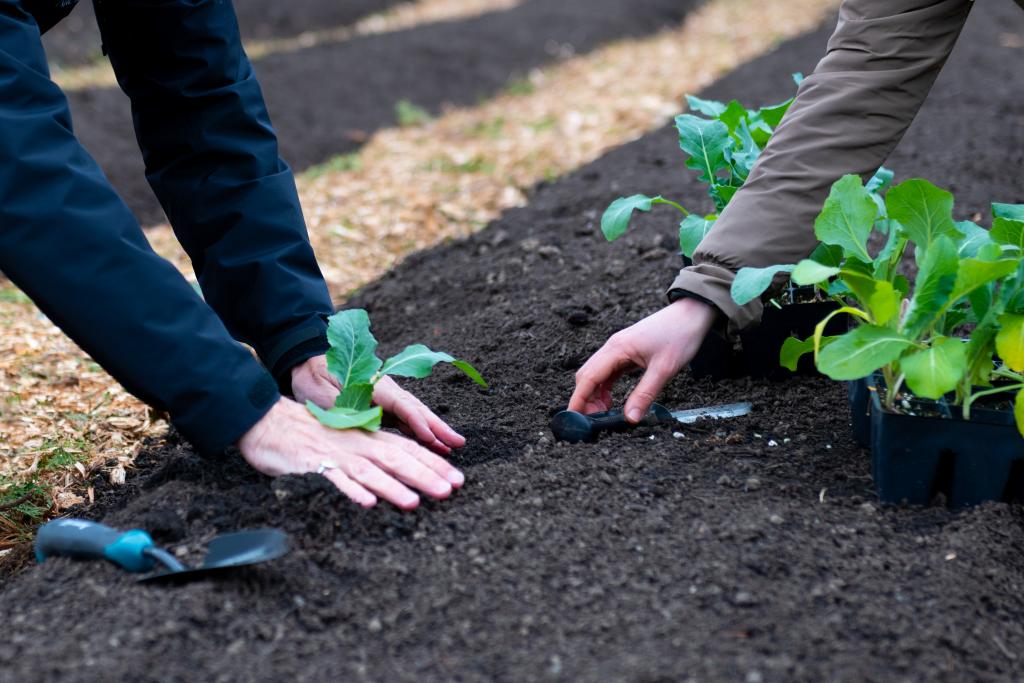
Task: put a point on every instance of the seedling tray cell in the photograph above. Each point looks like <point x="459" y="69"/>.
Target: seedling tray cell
<point x="917" y="457"/>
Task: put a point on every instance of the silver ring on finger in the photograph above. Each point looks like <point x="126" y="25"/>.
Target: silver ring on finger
<point x="326" y="465"/>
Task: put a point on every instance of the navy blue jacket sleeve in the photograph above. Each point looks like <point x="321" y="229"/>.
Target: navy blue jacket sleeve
<point x="70" y="243"/>
<point x="212" y="159"/>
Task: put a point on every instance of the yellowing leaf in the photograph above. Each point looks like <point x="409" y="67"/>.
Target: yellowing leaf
<point x="1010" y="341"/>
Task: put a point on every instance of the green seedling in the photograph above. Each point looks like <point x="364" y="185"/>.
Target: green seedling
<point x="721" y="146"/>
<point x="352" y="360"/>
<point x="941" y="341"/>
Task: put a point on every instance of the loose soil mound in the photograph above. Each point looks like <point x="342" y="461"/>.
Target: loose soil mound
<point x="744" y="550"/>
<point x="326" y="100"/>
<point x="76" y="40"/>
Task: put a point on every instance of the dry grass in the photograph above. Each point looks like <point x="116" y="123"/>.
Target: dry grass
<point x="407" y="189"/>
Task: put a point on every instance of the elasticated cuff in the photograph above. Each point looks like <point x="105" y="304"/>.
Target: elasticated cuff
<point x="287" y="350"/>
<point x="711" y="284"/>
<point x="297" y="354"/>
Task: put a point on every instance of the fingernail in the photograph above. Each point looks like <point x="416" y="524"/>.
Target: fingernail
<point x="634" y="415"/>
<point x="456" y="478"/>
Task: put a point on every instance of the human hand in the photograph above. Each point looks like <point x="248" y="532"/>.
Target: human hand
<point x="312" y="382"/>
<point x="363" y="465"/>
<point x="662" y="344"/>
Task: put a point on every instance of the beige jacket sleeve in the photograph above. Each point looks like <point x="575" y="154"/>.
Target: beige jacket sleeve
<point x="847" y="117"/>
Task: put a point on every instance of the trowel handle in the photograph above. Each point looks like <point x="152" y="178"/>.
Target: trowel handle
<point x="81" y="539"/>
<point x="574" y="427"/>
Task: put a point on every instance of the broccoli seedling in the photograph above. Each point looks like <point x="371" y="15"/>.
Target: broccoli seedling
<point x="353" y="361"/>
<point x="961" y="329"/>
<point x="722" y="148"/>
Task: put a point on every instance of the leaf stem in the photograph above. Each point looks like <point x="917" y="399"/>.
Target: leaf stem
<point x="988" y="392"/>
<point x="662" y="200"/>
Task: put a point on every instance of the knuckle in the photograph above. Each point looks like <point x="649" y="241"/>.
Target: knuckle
<point x="360" y="470"/>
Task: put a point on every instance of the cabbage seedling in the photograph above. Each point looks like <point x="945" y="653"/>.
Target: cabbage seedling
<point x="722" y="148"/>
<point x="353" y="361"/>
<point x="967" y="304"/>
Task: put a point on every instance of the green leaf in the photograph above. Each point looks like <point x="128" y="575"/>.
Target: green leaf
<point x="706" y="142"/>
<point x="861" y="351"/>
<point x="935" y="371"/>
<point x="809" y="272"/>
<point x="1010" y="341"/>
<point x="981" y="301"/>
<point x="1013" y="212"/>
<point x="710" y="108"/>
<point x="722" y="194"/>
<point x="827" y="255"/>
<point x="470" y="371"/>
<point x="416" y="361"/>
<point x="615" y="220"/>
<point x="355" y="397"/>
<point x="733" y="115"/>
<point x="744" y="153"/>
<point x="772" y="115"/>
<point x="1009" y="232"/>
<point x="847" y="217"/>
<point x="936" y="280"/>
<point x="794" y="349"/>
<point x="879" y="297"/>
<point x="975" y="237"/>
<point x="347" y="418"/>
<point x="974" y="273"/>
<point x="819" y="329"/>
<point x="352" y="358"/>
<point x="880" y="181"/>
<point x="692" y="230"/>
<point x="751" y="283"/>
<point x="924" y="211"/>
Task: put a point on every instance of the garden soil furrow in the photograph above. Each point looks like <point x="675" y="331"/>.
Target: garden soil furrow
<point x="328" y="99"/>
<point x="750" y="550"/>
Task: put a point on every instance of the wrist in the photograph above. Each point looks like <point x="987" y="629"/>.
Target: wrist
<point x="695" y="312"/>
<point x="256" y="434"/>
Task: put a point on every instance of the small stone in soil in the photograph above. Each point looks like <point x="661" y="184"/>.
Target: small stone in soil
<point x="753" y="484"/>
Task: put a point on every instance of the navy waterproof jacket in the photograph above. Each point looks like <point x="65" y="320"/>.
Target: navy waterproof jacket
<point x="70" y="243"/>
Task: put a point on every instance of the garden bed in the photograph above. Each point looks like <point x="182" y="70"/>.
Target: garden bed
<point x="76" y="40"/>
<point x="359" y="82"/>
<point x="750" y="550"/>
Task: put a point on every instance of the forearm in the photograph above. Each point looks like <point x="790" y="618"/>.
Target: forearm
<point x="847" y="117"/>
<point x="212" y="158"/>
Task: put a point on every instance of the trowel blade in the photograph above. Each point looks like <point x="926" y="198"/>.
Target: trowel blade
<point x="713" y="412"/>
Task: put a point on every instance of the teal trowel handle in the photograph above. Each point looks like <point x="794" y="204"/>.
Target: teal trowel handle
<point x="84" y="540"/>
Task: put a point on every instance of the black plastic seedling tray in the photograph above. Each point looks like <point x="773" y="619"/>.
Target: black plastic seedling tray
<point x="860" y="412"/>
<point x="758" y="355"/>
<point x="914" y="458"/>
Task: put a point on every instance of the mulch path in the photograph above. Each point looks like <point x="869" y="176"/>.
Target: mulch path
<point x="328" y="99"/>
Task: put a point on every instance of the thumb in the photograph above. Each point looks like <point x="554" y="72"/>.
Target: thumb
<point x="641" y="398"/>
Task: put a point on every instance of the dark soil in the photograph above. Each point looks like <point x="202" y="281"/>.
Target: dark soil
<point x="748" y="550"/>
<point x="76" y="40"/>
<point x="327" y="100"/>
